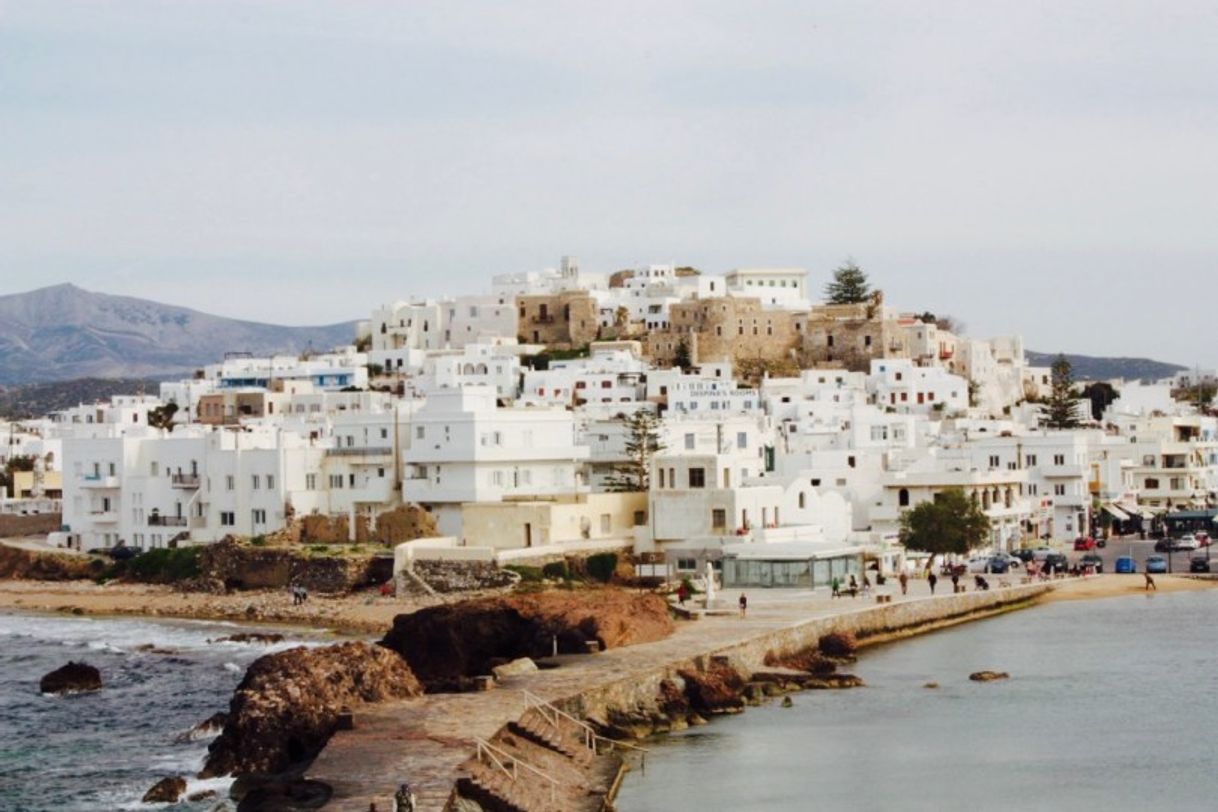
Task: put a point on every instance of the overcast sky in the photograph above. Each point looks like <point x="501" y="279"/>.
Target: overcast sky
<point x="1043" y="168"/>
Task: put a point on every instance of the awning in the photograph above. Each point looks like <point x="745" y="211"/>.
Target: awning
<point x="1135" y="510"/>
<point x="1116" y="513"/>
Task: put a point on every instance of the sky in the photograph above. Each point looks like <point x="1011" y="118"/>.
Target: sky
<point x="1042" y="168"/>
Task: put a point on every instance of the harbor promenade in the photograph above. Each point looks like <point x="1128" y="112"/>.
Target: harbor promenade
<point x="425" y="740"/>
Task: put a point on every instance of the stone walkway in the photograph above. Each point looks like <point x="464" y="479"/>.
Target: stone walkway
<point x="425" y="740"/>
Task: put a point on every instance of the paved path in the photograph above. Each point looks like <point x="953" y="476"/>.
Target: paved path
<point x="425" y="740"/>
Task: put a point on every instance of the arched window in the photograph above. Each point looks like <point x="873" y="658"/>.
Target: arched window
<point x="903" y="497"/>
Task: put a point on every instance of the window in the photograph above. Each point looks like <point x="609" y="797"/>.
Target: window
<point x="687" y="564"/>
<point x="640" y="518"/>
<point x="903" y="497"/>
<point x="661" y="477"/>
<point x="742" y="439"/>
<point x="803" y="500"/>
<point x="310" y="482"/>
<point x="606" y="522"/>
<point x="1029" y="460"/>
<point x="994" y="460"/>
<point x="153" y="470"/>
<point x="230" y="482"/>
<point x="1059" y="489"/>
<point x="718" y="519"/>
<point x="255" y="481"/>
<point x="697" y="477"/>
<point x="227" y="518"/>
<point x="336" y="482"/>
<point x="689" y="442"/>
<point x="270" y="482"/>
<point x="1059" y="459"/>
<point x="259" y="516"/>
<point x="418" y="432"/>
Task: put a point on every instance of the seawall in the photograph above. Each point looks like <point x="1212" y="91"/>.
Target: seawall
<point x="429" y="740"/>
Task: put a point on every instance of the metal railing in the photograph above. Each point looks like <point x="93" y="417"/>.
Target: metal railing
<point x="184" y="480"/>
<point x="157" y="520"/>
<point x="360" y="451"/>
<point x="490" y="751"/>
<point x="552" y="714"/>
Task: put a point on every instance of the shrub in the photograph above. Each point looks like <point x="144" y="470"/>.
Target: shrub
<point x="556" y="570"/>
<point x="527" y="574"/>
<point x="601" y="566"/>
<point x="165" y="565"/>
<point x="258" y="541"/>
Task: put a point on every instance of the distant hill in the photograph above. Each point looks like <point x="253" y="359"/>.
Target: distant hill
<point x="39" y="399"/>
<point x="1089" y="368"/>
<point x="63" y="332"/>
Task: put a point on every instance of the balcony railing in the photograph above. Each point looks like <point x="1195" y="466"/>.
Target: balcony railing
<point x="543" y="319"/>
<point x="185" y="480"/>
<point x="358" y="451"/>
<point x="166" y="521"/>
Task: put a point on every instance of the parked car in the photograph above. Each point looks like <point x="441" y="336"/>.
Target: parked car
<point x="1156" y="564"/>
<point x="1056" y="562"/>
<point x="1165" y="545"/>
<point x="1198" y="563"/>
<point x="1093" y="561"/>
<point x="1187" y="542"/>
<point x="1041" y="553"/>
<point x="998" y="564"/>
<point x="1084" y="543"/>
<point x="123" y="553"/>
<point x="980" y="563"/>
<point x="1125" y="565"/>
<point x="1014" y="561"/>
<point x="1101" y="542"/>
<point x="1025" y="555"/>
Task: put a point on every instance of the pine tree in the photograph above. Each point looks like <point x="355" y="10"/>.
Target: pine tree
<point x="680" y="357"/>
<point x="1059" y="409"/>
<point x="642" y="443"/>
<point x="849" y="285"/>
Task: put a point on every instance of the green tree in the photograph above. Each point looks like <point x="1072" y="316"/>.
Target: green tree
<point x="680" y="356"/>
<point x="1101" y="394"/>
<point x="849" y="285"/>
<point x="951" y="523"/>
<point x="642" y="443"/>
<point x="162" y="416"/>
<point x="1059" y="408"/>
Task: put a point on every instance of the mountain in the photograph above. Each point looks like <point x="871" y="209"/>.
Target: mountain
<point x="1089" y="368"/>
<point x="64" y="332"/>
<point x="38" y="399"/>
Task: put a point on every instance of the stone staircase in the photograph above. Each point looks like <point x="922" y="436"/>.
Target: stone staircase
<point x="564" y="739"/>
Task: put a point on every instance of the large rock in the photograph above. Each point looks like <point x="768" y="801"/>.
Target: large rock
<point x="71" y="678"/>
<point x="287" y="706"/>
<point x="718" y="689"/>
<point x="17" y="563"/>
<point x="446" y="645"/>
<point x="165" y="791"/>
<point x="988" y="676"/>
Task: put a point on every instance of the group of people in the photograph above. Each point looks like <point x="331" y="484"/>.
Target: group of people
<point x="852" y="586"/>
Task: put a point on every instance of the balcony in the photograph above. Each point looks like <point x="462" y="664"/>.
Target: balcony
<point x="189" y="481"/>
<point x="103" y="516"/>
<point x="544" y="318"/>
<point x="166" y="521"/>
<point x="359" y="451"/>
<point x="98" y="481"/>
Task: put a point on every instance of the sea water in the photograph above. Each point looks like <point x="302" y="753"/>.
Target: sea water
<point x="1111" y="705"/>
<point x="103" y="750"/>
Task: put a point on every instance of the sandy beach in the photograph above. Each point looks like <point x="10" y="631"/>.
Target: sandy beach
<point x="1115" y="586"/>
<point x="363" y="614"/>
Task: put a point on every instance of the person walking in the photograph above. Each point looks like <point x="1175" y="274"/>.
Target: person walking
<point x="403" y="799"/>
<point x="682" y="593"/>
<point x="1150" y="582"/>
<point x="932" y="579"/>
<point x="866" y="585"/>
<point x="837" y="587"/>
<point x="853" y="587"/>
<point x="903" y="579"/>
<point x="955" y="582"/>
<point x="744" y="604"/>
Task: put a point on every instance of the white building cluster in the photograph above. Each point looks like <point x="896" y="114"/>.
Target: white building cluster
<point x="516" y="451"/>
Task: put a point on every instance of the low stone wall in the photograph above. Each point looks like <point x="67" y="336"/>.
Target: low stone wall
<point x="641" y="690"/>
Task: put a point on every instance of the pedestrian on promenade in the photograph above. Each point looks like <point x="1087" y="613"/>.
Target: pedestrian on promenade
<point x="682" y="593"/>
<point x="904" y="580"/>
<point x="295" y="595"/>
<point x="955" y="582"/>
<point x="403" y="799"/>
<point x="837" y="587"/>
<point x="866" y="585"/>
<point x="854" y="587"/>
<point x="744" y="604"/>
<point x="1150" y="582"/>
<point x="932" y="579"/>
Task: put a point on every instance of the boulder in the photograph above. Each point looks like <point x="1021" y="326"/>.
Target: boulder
<point x="265" y="638"/>
<point x="718" y="689"/>
<point x="288" y="704"/>
<point x="166" y="791"/>
<point x="988" y="676"/>
<point x="209" y="727"/>
<point x="514" y="668"/>
<point x="71" y="678"/>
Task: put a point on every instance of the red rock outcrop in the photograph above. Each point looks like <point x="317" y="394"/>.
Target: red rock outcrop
<point x="445" y="645"/>
<point x="16" y="563"/>
<point x="718" y="689"/>
<point x="165" y="791"/>
<point x="287" y="706"/>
